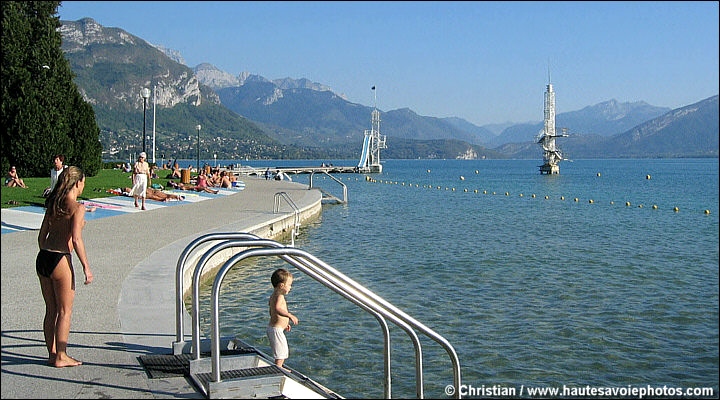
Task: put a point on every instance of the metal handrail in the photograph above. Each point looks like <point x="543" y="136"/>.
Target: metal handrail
<point x="197" y="276"/>
<point x="344" y="286"/>
<point x="344" y="186"/>
<point x="180" y="267"/>
<point x="197" y="273"/>
<point x="276" y="209"/>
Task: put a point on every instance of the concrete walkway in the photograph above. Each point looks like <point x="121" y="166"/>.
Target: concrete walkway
<point x="129" y="309"/>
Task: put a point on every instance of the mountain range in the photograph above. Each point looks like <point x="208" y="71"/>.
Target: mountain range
<point x="250" y="116"/>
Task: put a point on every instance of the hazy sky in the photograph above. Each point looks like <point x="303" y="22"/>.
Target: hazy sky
<point x="486" y="62"/>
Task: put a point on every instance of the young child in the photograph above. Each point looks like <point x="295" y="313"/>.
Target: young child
<point x="280" y="317"/>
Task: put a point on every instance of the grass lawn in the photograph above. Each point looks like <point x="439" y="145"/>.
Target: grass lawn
<point x="95" y="187"/>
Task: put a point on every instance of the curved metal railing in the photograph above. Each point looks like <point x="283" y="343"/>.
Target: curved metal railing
<point x="315" y="268"/>
<point x="344" y="186"/>
<point x="296" y="210"/>
<point x="346" y="287"/>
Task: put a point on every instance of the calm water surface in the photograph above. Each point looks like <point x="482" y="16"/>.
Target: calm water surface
<point x="584" y="283"/>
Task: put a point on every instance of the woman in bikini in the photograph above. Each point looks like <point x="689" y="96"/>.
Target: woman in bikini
<point x="60" y="235"/>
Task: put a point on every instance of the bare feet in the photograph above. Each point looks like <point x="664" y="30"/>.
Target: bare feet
<point x="143" y="208"/>
<point x="67" y="362"/>
<point x="51" y="359"/>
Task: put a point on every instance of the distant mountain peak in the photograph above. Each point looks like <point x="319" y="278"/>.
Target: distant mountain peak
<point x="302" y="83"/>
<point x="613" y="110"/>
<point x="174" y="55"/>
<point x="217" y="79"/>
<point x="86" y="31"/>
<point x="213" y="77"/>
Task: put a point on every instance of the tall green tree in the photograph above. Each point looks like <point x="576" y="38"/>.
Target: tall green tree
<point x="43" y="112"/>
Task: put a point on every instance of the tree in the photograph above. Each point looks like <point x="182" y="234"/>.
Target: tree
<point x="43" y="112"/>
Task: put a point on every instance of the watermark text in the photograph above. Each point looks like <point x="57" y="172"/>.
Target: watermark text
<point x="638" y="392"/>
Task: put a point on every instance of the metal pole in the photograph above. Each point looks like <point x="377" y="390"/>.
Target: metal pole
<point x="198" y="149"/>
<point x="144" y="107"/>
<point x="145" y="93"/>
<point x="154" y="102"/>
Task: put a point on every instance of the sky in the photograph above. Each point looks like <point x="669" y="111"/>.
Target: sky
<point x="485" y="62"/>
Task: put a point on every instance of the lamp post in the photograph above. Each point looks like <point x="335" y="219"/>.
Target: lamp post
<point x="154" y="103"/>
<point x="198" y="148"/>
<point x="145" y="93"/>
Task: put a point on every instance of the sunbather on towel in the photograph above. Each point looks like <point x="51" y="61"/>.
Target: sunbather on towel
<point x="152" y="194"/>
<point x="182" y="186"/>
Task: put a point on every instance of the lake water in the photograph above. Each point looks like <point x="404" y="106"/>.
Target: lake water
<point x="573" y="279"/>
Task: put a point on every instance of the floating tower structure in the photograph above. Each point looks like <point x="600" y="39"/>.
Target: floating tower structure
<point x="372" y="143"/>
<point x="546" y="138"/>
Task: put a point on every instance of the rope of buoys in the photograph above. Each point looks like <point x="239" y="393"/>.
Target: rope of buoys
<point x="590" y="201"/>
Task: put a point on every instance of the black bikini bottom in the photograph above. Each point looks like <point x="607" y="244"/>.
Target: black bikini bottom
<point x="46" y="262"/>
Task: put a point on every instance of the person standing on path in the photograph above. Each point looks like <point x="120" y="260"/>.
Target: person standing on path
<point x="58" y="167"/>
<point x="141" y="179"/>
<point x="61" y="234"/>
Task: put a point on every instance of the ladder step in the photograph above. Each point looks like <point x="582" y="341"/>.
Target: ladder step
<point x="242" y="373"/>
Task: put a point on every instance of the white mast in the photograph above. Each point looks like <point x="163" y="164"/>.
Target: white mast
<point x="546" y="138"/>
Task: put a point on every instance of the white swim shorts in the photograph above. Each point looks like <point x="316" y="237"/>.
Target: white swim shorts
<point x="278" y="342"/>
